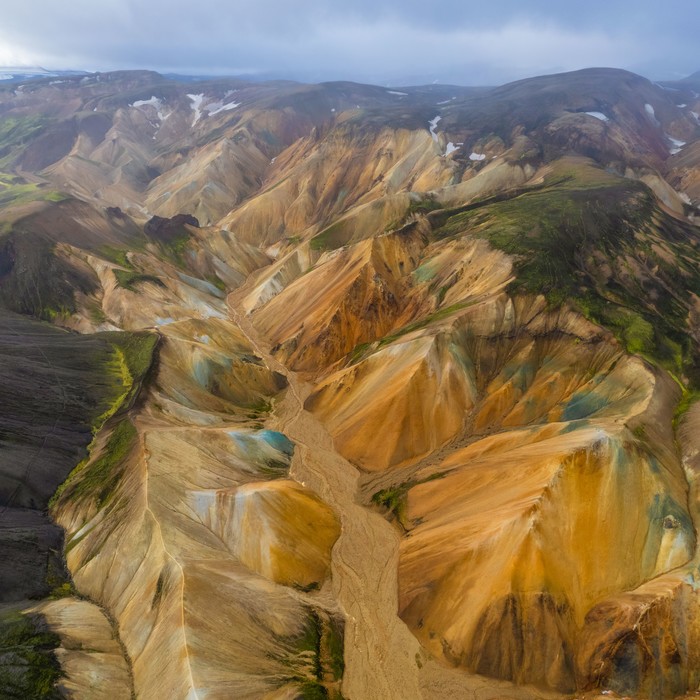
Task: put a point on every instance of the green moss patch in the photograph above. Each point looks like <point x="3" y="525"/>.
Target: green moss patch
<point x="98" y="474"/>
<point x="28" y="665"/>
<point x="98" y="478"/>
<point x="601" y="243"/>
<point x="394" y="497"/>
<point x="321" y="647"/>
<point x="115" y="255"/>
<point x="16" y="190"/>
<point x="16" y="133"/>
<point x="434" y="317"/>
<point x="128" y="279"/>
<point x="330" y="238"/>
<point x="422" y="206"/>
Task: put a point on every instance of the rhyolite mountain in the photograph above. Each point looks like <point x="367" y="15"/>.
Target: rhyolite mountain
<point x="344" y="391"/>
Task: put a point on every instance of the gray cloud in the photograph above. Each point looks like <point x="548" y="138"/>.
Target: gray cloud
<point x="381" y="41"/>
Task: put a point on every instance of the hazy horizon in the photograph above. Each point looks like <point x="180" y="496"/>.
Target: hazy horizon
<point x="385" y="42"/>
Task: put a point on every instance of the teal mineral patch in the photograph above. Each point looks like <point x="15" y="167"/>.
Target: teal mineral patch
<point x="278" y="440"/>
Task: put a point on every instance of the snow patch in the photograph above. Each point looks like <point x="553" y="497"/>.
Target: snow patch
<point x="433" y="125"/>
<point x="676" y="145"/>
<point x="651" y="114"/>
<point x="395" y="92"/>
<point x="152" y="100"/>
<point x="451" y="148"/>
<point x="684" y="197"/>
<point x="155" y="102"/>
<point x="696" y="116"/>
<point x="681" y="106"/>
<point x="215" y="107"/>
<point x="477" y="156"/>
<point x="599" y="115"/>
<point x="196" y="106"/>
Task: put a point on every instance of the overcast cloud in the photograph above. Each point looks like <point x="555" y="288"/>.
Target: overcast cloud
<point x="381" y="41"/>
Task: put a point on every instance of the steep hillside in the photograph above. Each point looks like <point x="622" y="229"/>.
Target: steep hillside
<point x="344" y="391"/>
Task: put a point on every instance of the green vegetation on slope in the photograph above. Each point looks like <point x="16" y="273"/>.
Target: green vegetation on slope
<point x="394" y="497"/>
<point x="115" y="255"/>
<point x="28" y="664"/>
<point x="131" y="362"/>
<point x="177" y="248"/>
<point x="332" y="237"/>
<point x="601" y="243"/>
<point x="97" y="475"/>
<point x="16" y="132"/>
<point x="320" y="647"/>
<point x="16" y="190"/>
<point x="128" y="279"/>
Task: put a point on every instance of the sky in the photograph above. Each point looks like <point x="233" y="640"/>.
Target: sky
<point x="398" y="42"/>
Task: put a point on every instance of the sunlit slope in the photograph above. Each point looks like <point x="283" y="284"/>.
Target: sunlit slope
<point x="535" y="410"/>
<point x="200" y="533"/>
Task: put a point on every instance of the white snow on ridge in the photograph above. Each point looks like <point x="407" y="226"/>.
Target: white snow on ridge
<point x="196" y="106"/>
<point x="651" y="114"/>
<point x="451" y="148"/>
<point x="477" y="156"/>
<point x="696" y="116"/>
<point x="216" y="107"/>
<point x="681" y="106"/>
<point x="676" y="143"/>
<point x="152" y="101"/>
<point x="599" y="115"/>
<point x="433" y="125"/>
<point x="395" y="92"/>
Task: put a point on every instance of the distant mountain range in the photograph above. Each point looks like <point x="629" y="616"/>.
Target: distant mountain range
<point x="24" y="73"/>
